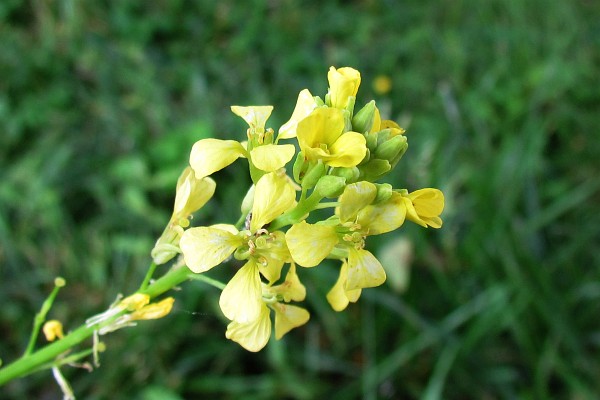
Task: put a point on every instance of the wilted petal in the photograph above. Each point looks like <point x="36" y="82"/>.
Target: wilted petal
<point x="364" y="270"/>
<point x="309" y="244"/>
<point x="253" y="335"/>
<point x="241" y="300"/>
<point x="206" y="247"/>
<point x="272" y="197"/>
<point x="271" y="157"/>
<point x="211" y="155"/>
<point x="288" y="317"/>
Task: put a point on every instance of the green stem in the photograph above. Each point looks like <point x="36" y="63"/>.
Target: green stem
<point x="298" y="213"/>
<point x="148" y="276"/>
<point x="40" y="317"/>
<point x="29" y="363"/>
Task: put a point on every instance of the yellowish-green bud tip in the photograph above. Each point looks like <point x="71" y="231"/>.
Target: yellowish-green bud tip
<point x="59" y="282"/>
<point x="101" y="347"/>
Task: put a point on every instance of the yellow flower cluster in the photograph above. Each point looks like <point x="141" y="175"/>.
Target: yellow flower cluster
<point x="342" y="154"/>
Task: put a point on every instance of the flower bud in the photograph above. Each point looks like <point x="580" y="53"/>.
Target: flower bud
<point x="330" y="186"/>
<point x="390" y="149"/>
<point x="363" y="120"/>
<point x="314" y="173"/>
<point x="374" y="169"/>
<point x="343" y="83"/>
<point x="351" y="174"/>
<point x="384" y="192"/>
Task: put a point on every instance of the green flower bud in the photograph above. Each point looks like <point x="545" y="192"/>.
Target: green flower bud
<point x="312" y="176"/>
<point x="374" y="169"/>
<point x="384" y="192"/>
<point x="299" y="167"/>
<point x="330" y="186"/>
<point x="351" y="174"/>
<point x="372" y="140"/>
<point x="403" y="149"/>
<point x="363" y="120"/>
<point x="389" y="149"/>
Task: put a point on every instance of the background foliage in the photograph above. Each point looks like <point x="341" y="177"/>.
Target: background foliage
<point x="100" y="102"/>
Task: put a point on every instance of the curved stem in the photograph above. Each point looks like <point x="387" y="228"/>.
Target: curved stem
<point x="32" y="362"/>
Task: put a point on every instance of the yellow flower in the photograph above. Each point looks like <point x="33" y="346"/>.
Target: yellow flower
<point x="304" y="106"/>
<point x="424" y="207"/>
<point x="263" y="153"/>
<point x="321" y="137"/>
<point x="53" y="329"/>
<point x="191" y="195"/>
<point x="343" y="84"/>
<point x="205" y="247"/>
<point x="253" y="333"/>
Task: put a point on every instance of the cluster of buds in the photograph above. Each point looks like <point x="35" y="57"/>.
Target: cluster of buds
<point x="341" y="156"/>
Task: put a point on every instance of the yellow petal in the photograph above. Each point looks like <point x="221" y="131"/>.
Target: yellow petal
<point x="154" y="310"/>
<point x="288" y="317"/>
<point x="291" y="289"/>
<point x="191" y="194"/>
<point x="271" y="157"/>
<point x="348" y="150"/>
<point x="338" y="297"/>
<point x="241" y="300"/>
<point x="304" y="106"/>
<point x="343" y="83"/>
<point x="272" y="197"/>
<point x="211" y="155"/>
<point x="206" y="247"/>
<point x="428" y="202"/>
<point x="356" y="196"/>
<point x="253" y="335"/>
<point x="309" y="244"/>
<point x="255" y="116"/>
<point x="385" y="216"/>
<point x="364" y="270"/>
<point x="322" y="127"/>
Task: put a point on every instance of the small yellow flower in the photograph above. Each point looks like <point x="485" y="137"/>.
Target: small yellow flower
<point x="288" y="317"/>
<point x="263" y="153"/>
<point x="343" y="84"/>
<point x="424" y="207"/>
<point x="191" y="195"/>
<point x="53" y="329"/>
<point x="321" y="137"/>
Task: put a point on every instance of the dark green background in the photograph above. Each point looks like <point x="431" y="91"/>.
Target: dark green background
<point x="100" y="102"/>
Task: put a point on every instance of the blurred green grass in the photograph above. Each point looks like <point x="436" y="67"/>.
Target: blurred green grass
<point x="101" y="101"/>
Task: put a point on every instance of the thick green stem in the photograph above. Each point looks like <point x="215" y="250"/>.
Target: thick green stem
<point x="46" y="355"/>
